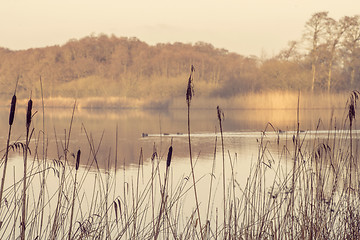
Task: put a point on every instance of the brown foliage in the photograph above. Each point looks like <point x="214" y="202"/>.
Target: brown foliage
<point x="108" y="66"/>
<point x="126" y="67"/>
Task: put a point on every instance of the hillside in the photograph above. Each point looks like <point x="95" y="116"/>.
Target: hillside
<point x="110" y="67"/>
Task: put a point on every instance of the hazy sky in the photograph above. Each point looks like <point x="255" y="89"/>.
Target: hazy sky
<point x="243" y="26"/>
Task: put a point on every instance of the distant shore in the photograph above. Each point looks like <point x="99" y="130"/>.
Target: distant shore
<point x="265" y="100"/>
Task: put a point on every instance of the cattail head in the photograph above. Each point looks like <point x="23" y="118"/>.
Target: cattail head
<point x="119" y="204"/>
<point x="351" y="113"/>
<point x="190" y="86"/>
<point x="352" y="105"/>
<point x="153" y="156"/>
<point x="12" y="110"/>
<point x="220" y="114"/>
<point x="78" y="159"/>
<point x="168" y="161"/>
<point x="116" y="211"/>
<point x="28" y="114"/>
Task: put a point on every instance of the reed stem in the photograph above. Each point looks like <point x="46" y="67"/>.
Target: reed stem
<point x="11" y="121"/>
<point x="28" y="122"/>
<point x="189" y="95"/>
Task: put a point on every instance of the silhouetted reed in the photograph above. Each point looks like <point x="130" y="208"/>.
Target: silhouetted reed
<point x="164" y="196"/>
<point x="189" y="95"/>
<point x="12" y="110"/>
<point x="11" y="121"/>
<point x="28" y="137"/>
<point x="74" y="192"/>
<point x="316" y="197"/>
<point x="220" y="116"/>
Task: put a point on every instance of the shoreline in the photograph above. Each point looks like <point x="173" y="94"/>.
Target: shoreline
<point x="273" y="100"/>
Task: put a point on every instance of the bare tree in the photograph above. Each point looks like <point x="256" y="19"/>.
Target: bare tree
<point x="335" y="32"/>
<point x="351" y="44"/>
<point x="315" y="30"/>
<point x="290" y="52"/>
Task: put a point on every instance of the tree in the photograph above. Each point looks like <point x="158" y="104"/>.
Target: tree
<point x="351" y="44"/>
<point x="315" y="29"/>
<point x="289" y="53"/>
<point x="335" y="31"/>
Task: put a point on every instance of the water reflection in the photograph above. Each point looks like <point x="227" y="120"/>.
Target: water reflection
<point x="246" y="144"/>
<point x="138" y="130"/>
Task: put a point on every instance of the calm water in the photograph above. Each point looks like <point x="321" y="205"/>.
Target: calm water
<point x="98" y="128"/>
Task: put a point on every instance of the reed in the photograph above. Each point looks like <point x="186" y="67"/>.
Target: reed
<point x="65" y="150"/>
<point x="220" y="116"/>
<point x="212" y="176"/>
<point x="164" y="196"/>
<point x="11" y="121"/>
<point x="153" y="158"/>
<point x="254" y="214"/>
<point x="310" y="190"/>
<point x="189" y="95"/>
<point x="44" y="157"/>
<point x="28" y="123"/>
<point x="74" y="192"/>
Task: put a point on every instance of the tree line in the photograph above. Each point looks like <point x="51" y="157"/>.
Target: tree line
<point x="326" y="58"/>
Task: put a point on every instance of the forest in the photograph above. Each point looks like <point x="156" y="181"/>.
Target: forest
<point x="325" y="59"/>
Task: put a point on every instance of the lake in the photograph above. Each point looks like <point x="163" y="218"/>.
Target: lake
<point x="98" y="127"/>
<point x="139" y="133"/>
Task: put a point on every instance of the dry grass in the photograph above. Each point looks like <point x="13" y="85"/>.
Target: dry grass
<point x="269" y="100"/>
<point x="99" y="103"/>
<point x="316" y="197"/>
<point x="263" y="100"/>
<point x="312" y="200"/>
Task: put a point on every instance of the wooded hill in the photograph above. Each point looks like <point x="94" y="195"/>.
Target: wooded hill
<point x="326" y="59"/>
<point x="111" y="66"/>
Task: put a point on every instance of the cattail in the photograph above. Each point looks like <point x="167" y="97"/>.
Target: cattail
<point x="153" y="156"/>
<point x="73" y="200"/>
<point x="190" y="87"/>
<point x="220" y="114"/>
<point x="168" y="161"/>
<point x="352" y="105"/>
<point x="78" y="159"/>
<point x="28" y="122"/>
<point x="119" y="204"/>
<point x="12" y="110"/>
<point x="11" y="120"/>
<point x="28" y="114"/>
<point x="116" y="211"/>
<point x="351" y="113"/>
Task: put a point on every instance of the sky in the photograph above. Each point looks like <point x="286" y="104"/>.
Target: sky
<point x="247" y="27"/>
